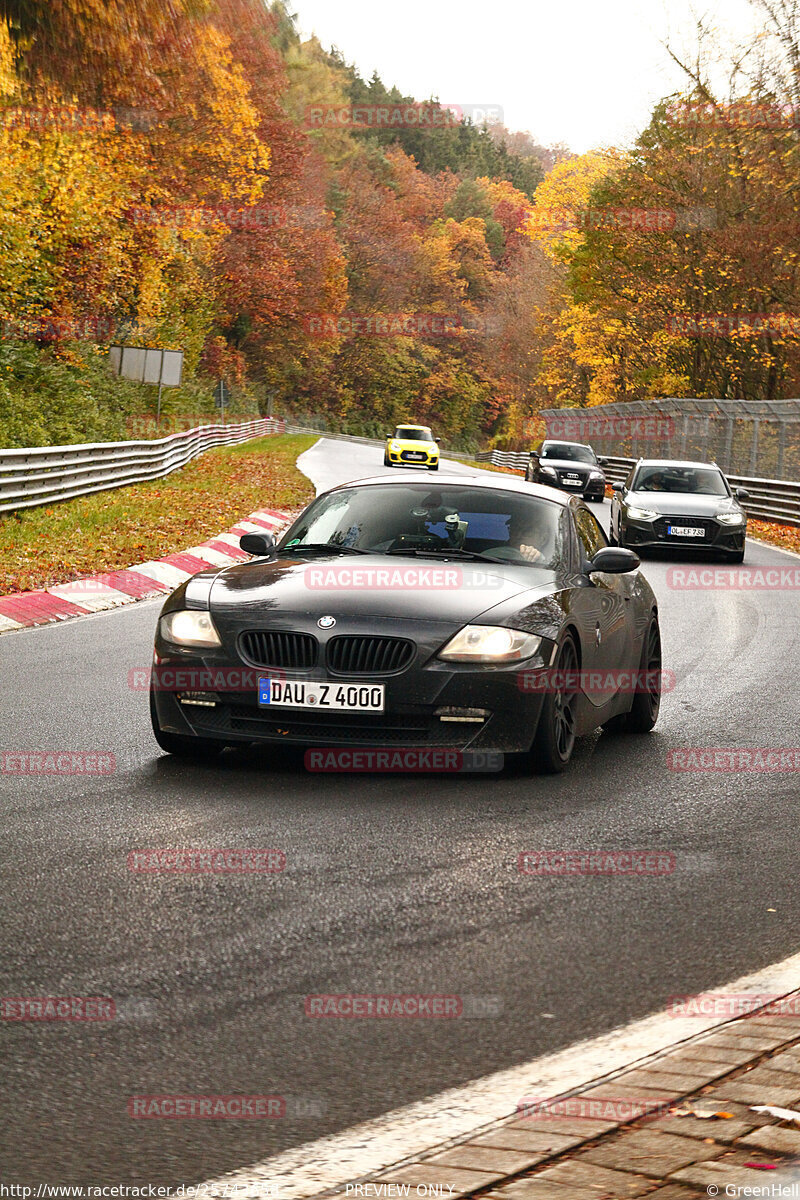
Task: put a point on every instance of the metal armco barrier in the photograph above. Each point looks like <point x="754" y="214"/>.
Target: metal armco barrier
<point x="46" y="474"/>
<point x="769" y="500"/>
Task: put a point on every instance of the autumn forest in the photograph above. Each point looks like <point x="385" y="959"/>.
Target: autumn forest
<point x="192" y="174"/>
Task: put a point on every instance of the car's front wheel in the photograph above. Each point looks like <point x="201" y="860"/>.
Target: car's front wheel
<point x="386" y="461"/>
<point x="736" y="557"/>
<point x="180" y="745"/>
<point x="433" y="466"/>
<point x="555" y="735"/>
<point x="647" y="697"/>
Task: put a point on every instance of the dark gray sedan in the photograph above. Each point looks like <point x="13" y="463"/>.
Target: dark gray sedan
<point x="477" y="614"/>
<point x="666" y="504"/>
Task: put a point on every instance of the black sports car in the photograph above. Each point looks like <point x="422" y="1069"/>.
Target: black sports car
<point x="475" y="614"/>
<point x="664" y="503"/>
<point x="571" y="466"/>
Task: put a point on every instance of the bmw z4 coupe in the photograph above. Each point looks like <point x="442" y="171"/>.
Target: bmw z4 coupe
<point x="477" y="613"/>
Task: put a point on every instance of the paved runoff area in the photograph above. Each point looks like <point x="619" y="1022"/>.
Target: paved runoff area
<point x="713" y="1115"/>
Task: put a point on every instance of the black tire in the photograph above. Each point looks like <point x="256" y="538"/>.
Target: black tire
<point x="736" y="557"/>
<point x="433" y="466"/>
<point x="180" y="746"/>
<point x="612" y="537"/>
<point x="386" y="461"/>
<point x="555" y="734"/>
<point x="646" y="704"/>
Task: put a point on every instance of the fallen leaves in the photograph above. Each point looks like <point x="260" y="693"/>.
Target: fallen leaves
<point x="114" y="530"/>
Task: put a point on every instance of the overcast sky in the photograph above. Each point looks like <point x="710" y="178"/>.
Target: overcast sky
<point x="584" y="72"/>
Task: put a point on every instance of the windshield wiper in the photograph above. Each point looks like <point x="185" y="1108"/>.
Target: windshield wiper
<point x="446" y="551"/>
<point x="321" y="548"/>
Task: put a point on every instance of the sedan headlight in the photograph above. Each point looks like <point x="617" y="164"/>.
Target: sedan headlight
<point x="731" y="518"/>
<point x="189" y="628"/>
<point x="642" y="514"/>
<point x="490" y="644"/>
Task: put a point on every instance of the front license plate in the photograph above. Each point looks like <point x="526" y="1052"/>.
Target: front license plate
<point x="350" y="697"/>
<point x="415" y="455"/>
<point x="686" y="531"/>
<point x="571" y="482"/>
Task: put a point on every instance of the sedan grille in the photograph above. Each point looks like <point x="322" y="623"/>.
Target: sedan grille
<point x="709" y="527"/>
<point x="356" y="655"/>
<point x="271" y="648"/>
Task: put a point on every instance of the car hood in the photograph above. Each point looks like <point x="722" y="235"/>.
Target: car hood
<point x="677" y="504"/>
<point x="564" y="464"/>
<point x="370" y="586"/>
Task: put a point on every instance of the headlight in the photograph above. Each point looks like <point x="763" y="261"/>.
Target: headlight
<point x="394" y="447"/>
<point x="595" y="474"/>
<point x="642" y="514"/>
<point x="490" y="644"/>
<point x="547" y="470"/>
<point x="189" y="628"/>
<point x="731" y="518"/>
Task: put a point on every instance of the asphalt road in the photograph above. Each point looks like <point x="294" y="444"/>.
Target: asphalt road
<point x="393" y="883"/>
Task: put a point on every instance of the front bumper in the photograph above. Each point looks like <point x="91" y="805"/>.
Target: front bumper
<point x="590" y="489"/>
<point x="410" y="719"/>
<point x="725" y="539"/>
<point x="401" y="458"/>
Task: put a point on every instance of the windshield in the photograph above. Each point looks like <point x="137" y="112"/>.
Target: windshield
<point x="414" y="518"/>
<point x="413" y="435"/>
<point x="696" y="481"/>
<point x="568" y="452"/>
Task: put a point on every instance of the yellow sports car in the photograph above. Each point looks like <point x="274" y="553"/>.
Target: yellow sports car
<point x="412" y="446"/>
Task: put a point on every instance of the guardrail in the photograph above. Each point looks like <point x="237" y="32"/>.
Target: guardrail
<point x="46" y="474"/>
<point x="769" y="499"/>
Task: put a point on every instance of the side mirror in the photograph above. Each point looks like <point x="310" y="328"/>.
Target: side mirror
<point x="534" y="456"/>
<point x="612" y="560"/>
<point x="618" y="487"/>
<point x="262" y="544"/>
<point x="438" y="441"/>
<point x="742" y="494"/>
<point x="603" y="461"/>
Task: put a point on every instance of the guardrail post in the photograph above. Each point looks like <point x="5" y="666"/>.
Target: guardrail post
<point x="727" y="455"/>
<point x="754" y="448"/>
<point x="781" y="448"/>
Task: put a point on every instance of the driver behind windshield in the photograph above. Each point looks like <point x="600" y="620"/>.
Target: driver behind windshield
<point x="653" y="483"/>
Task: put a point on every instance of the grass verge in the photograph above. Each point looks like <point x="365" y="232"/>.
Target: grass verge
<point x="41" y="547"/>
